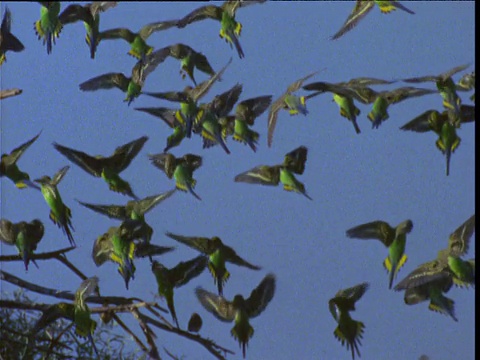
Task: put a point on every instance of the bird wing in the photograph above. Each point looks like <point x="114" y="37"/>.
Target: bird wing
<point x="92" y="165"/>
<point x="295" y="160"/>
<point x="18" y="151"/>
<point x="260" y="296"/>
<point x="106" y="81"/>
<point x="263" y="174"/>
<point x="202" y="244"/>
<point x="361" y="9"/>
<point x="459" y="240"/>
<point x="123" y="155"/>
<point x="217" y="305"/>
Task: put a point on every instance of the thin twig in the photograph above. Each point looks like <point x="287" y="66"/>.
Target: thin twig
<point x="9" y="93"/>
<point x="40" y="256"/>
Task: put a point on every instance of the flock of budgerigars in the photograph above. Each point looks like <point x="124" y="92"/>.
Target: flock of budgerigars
<point x="214" y="122"/>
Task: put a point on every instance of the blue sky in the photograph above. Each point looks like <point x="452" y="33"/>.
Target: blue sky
<point x="384" y="174"/>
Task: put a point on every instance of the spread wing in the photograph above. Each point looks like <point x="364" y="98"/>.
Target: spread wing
<point x="260" y="296"/>
<point x="217" y="305"/>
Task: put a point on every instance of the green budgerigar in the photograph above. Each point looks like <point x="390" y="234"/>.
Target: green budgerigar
<point x="137" y="40"/>
<point x="288" y="101"/>
<point x="445" y="125"/>
<point x="8" y="41"/>
<point x="118" y="245"/>
<point x="209" y="116"/>
<point x="169" y="117"/>
<point x="446" y="86"/>
<point x="132" y="85"/>
<point x="60" y="213"/>
<point x="382" y="100"/>
<point x="230" y="29"/>
<point x="294" y="163"/>
<point x="9" y="168"/>
<point x="90" y="15"/>
<point x="394" y="238"/>
<point x="107" y="168"/>
<point x="77" y="312"/>
<point x="181" y="169"/>
<point x="349" y="332"/>
<point x="49" y="26"/>
<point x="239" y="310"/>
<point x="218" y="254"/>
<point x="433" y="278"/>
<point x="362" y="8"/>
<point x="24" y="235"/>
<point x="134" y="209"/>
<point x="190" y="60"/>
<point x="188" y="98"/>
<point x="246" y="112"/>
<point x="181" y="274"/>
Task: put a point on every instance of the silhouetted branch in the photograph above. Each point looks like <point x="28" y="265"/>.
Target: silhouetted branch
<point x="208" y="344"/>
<point x="9" y="93"/>
<point x="130" y="332"/>
<point x="40" y="256"/>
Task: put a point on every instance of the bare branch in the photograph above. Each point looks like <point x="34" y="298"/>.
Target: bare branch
<point x="9" y="93"/>
<point x="40" y="256"/>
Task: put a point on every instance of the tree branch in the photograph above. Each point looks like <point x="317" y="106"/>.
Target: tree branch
<point x="9" y="93"/>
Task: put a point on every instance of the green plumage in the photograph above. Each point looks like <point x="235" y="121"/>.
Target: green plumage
<point x="218" y="254"/>
<point x="239" y="310"/>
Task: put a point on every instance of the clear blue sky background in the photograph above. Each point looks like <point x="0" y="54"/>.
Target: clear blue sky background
<point x="382" y="174"/>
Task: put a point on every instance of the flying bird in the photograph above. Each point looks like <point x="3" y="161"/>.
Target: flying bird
<point x="429" y="281"/>
<point x="294" y="163"/>
<point x="8" y="41"/>
<point x="134" y="209"/>
<point x="239" y="310"/>
<point x="24" y="235"/>
<point x="209" y="115"/>
<point x="394" y="238"/>
<point x="190" y="60"/>
<point x="188" y="99"/>
<point x="449" y="262"/>
<point x="132" y="85"/>
<point x="118" y="245"/>
<point x="349" y="332"/>
<point x="9" y="168"/>
<point x="137" y="40"/>
<point x="446" y="86"/>
<point x="344" y="94"/>
<point x="181" y="169"/>
<point x="181" y="274"/>
<point x="169" y="117"/>
<point x="90" y="15"/>
<point x="218" y="254"/>
<point x="294" y="104"/>
<point x="49" y="26"/>
<point x="445" y="125"/>
<point x="230" y="29"/>
<point x="239" y="123"/>
<point x="108" y="168"/>
<point x="362" y="8"/>
<point x="60" y="214"/>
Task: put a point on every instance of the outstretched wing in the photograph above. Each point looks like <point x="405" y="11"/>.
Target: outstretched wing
<point x="459" y="240"/>
<point x="106" y="81"/>
<point x="263" y="174"/>
<point x="215" y="304"/>
<point x="124" y="154"/>
<point x="260" y="296"/>
<point x="202" y="244"/>
<point x="90" y="164"/>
